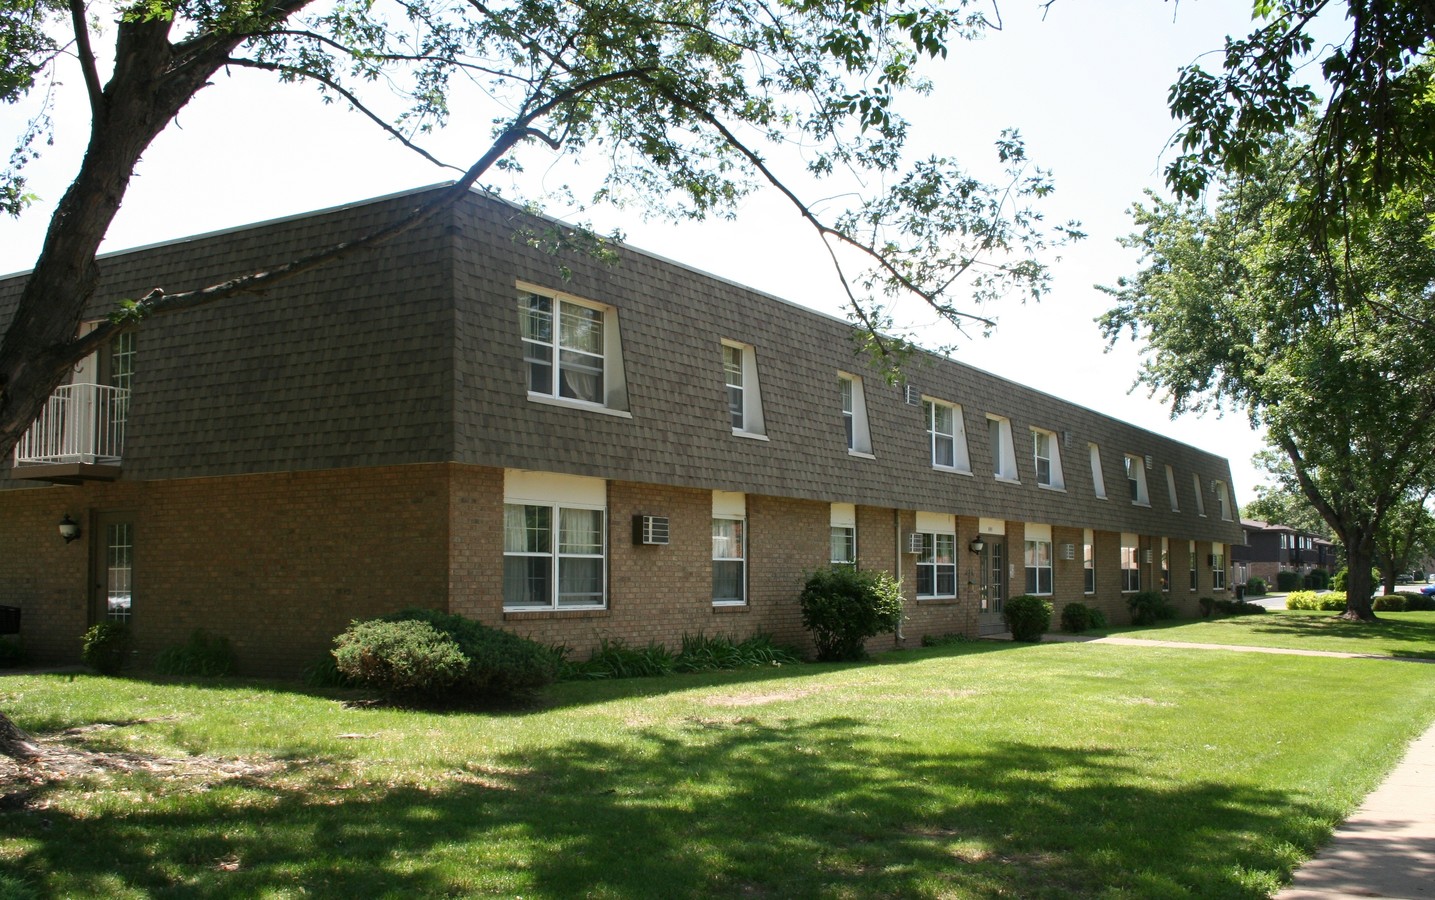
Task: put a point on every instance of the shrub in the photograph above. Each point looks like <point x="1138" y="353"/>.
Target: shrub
<point x="1228" y="607"/>
<point x="843" y="607"/>
<point x="106" y="647"/>
<point x="700" y="653"/>
<point x="324" y="673"/>
<point x="400" y="659"/>
<point x="1337" y="582"/>
<point x="501" y="665"/>
<point x="1098" y="618"/>
<point x="1287" y="581"/>
<point x="1302" y="600"/>
<point x="1208" y="606"/>
<point x="1317" y="579"/>
<point x="944" y="640"/>
<point x="205" y="654"/>
<point x="1390" y="603"/>
<point x="1075" y="618"/>
<point x="1418" y="603"/>
<point x="1149" y="606"/>
<point x="1028" y="617"/>
<point x="1256" y="586"/>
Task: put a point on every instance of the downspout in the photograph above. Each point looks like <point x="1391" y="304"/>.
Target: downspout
<point x="898" y="636"/>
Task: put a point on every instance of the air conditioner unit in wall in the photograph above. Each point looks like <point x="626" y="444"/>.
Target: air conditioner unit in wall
<point x="914" y="542"/>
<point x="650" y="530"/>
<point x="1150" y="463"/>
<point x="912" y="395"/>
<point x="1068" y="551"/>
<point x="1148" y="555"/>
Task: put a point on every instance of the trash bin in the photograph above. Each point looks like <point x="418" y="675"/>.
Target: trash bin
<point x="9" y="620"/>
<point x="1240" y="592"/>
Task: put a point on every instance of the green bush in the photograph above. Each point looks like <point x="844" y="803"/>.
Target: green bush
<point x="945" y="640"/>
<point x="1098" y="618"/>
<point x="1287" y="581"/>
<point x="501" y="665"/>
<point x="1075" y="618"/>
<point x="1028" y="617"/>
<point x="1337" y="582"/>
<point x="1317" y="579"/>
<point x="843" y="607"/>
<point x="701" y="653"/>
<point x="205" y="654"/>
<point x="408" y="659"/>
<point x="1147" y="607"/>
<point x="324" y="673"/>
<point x="1228" y="607"/>
<point x="1208" y="606"/>
<point x="1418" y="603"/>
<point x="1256" y="586"/>
<point x="1390" y="603"/>
<point x="106" y="647"/>
<point x="12" y="652"/>
<point x="1334" y="600"/>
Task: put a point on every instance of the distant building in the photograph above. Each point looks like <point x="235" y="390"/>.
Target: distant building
<point x="565" y="448"/>
<point x="1270" y="549"/>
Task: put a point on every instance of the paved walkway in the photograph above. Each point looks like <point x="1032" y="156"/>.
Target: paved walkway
<point x="1387" y="847"/>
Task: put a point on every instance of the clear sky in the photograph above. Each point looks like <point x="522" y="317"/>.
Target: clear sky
<point x="1086" y="86"/>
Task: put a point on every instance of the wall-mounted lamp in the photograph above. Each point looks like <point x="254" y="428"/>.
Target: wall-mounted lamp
<point x="68" y="529"/>
<point x="977" y="545"/>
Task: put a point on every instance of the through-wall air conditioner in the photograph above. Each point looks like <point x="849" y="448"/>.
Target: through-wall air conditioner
<point x="650" y="530"/>
<point x="1150" y="463"/>
<point x="914" y="542"/>
<point x="1148" y="556"/>
<point x="912" y="395"/>
<point x="1068" y="551"/>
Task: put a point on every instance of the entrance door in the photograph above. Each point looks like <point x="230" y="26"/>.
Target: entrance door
<point x="114" y="548"/>
<point x="992" y="584"/>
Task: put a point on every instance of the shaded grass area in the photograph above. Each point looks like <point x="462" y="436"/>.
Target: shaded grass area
<point x="1396" y="634"/>
<point x="970" y="771"/>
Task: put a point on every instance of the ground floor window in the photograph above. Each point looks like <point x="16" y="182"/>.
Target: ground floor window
<point x="1038" y="567"/>
<point x="1166" y="565"/>
<point x="544" y="570"/>
<point x="937" y="565"/>
<point x="1088" y="560"/>
<point x="843" y="543"/>
<point x="729" y="561"/>
<point x="1130" y="564"/>
<point x="1191" y="551"/>
<point x="1218" y="567"/>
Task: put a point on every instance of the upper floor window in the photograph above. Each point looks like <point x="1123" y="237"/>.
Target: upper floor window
<point x="1047" y="454"/>
<point x="1003" y="452"/>
<point x="946" y="435"/>
<point x="1098" y="480"/>
<point x="744" y="399"/>
<point x="1223" y="499"/>
<point x="1200" y="501"/>
<point x="854" y="413"/>
<point x="1136" y="479"/>
<point x="571" y="350"/>
<point x="1171" y="489"/>
<point x="1130" y="563"/>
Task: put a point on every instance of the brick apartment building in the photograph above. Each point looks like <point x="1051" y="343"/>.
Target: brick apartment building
<point x="630" y="450"/>
<point x="1269" y="549"/>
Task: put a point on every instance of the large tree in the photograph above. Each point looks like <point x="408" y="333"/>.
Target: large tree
<point x="687" y="106"/>
<point x="1280" y="500"/>
<point x="1316" y="347"/>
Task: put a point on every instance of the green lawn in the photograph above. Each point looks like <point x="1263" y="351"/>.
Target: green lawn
<point x="1399" y="634"/>
<point x="979" y="770"/>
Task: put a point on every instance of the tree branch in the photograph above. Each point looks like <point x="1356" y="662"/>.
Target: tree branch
<point x="86" y="56"/>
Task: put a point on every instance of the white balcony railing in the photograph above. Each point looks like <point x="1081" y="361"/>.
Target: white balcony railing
<point x="81" y="423"/>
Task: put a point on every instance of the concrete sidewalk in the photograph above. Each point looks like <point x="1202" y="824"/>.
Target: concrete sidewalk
<point x="1387" y="847"/>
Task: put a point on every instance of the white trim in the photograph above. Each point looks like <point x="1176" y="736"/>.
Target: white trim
<point x="523" y="486"/>
<point x="932" y="522"/>
<point x="729" y="505"/>
<point x="1036" y="532"/>
<point x="991" y="526"/>
<point x="579" y="404"/>
<point x="843" y="515"/>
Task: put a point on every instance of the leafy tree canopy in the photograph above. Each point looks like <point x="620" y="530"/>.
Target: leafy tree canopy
<point x="1373" y="134"/>
<point x="1283" y="502"/>
<point x="1236" y="311"/>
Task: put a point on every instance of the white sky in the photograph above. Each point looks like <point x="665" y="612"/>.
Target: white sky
<point x="1086" y="87"/>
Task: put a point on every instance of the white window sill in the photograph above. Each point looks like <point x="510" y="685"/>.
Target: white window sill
<point x="1145" y="505"/>
<point x="1101" y="497"/>
<point x="953" y="469"/>
<point x="860" y="454"/>
<point x="553" y="609"/>
<point x="729" y="603"/>
<point x="1007" y="479"/>
<point x="579" y="404"/>
<point x="750" y="435"/>
<point x="936" y="596"/>
<point x="1059" y="488"/>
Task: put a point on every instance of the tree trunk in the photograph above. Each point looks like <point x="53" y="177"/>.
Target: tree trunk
<point x="15" y="743"/>
<point x="1358" y="584"/>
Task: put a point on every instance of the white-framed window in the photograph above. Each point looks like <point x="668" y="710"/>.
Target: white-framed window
<point x="119" y="571"/>
<point x="946" y="435"/>
<point x="1191" y="551"/>
<point x="1098" y="480"/>
<point x="1003" y="451"/>
<point x="571" y="350"/>
<point x="1046" y="452"/>
<point x="854" y="413"/>
<point x="1223" y="499"/>
<point x="1130" y="563"/>
<point x="1200" y="500"/>
<point x="1088" y="560"/>
<point x="554" y="541"/>
<point x="1218" y="567"/>
<point x="1136" y="480"/>
<point x="1038" y="559"/>
<point x="937" y="560"/>
<point x="744" y="398"/>
<point x="729" y="548"/>
<point x="1171" y="489"/>
<point x="1166" y="565"/>
<point x="842" y="535"/>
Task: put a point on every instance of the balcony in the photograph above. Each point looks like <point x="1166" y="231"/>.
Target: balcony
<point x="79" y="436"/>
